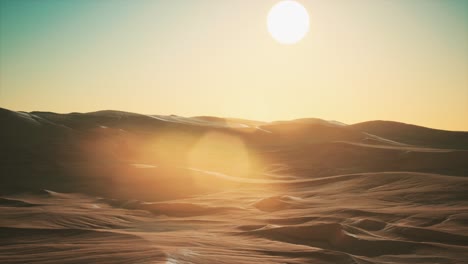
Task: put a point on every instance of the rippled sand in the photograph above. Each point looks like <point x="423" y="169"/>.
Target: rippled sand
<point x="393" y="202"/>
<point x="359" y="218"/>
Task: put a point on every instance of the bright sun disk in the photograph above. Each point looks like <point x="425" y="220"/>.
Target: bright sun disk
<point x="288" y="22"/>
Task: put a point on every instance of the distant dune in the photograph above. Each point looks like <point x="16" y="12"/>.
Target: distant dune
<point x="119" y="187"/>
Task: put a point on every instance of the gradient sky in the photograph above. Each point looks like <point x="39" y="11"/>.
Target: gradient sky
<point x="402" y="60"/>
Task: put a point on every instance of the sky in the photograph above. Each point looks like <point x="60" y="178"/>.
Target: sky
<point x="400" y="60"/>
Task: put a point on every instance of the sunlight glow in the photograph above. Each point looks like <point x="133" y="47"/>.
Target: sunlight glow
<point x="220" y="152"/>
<point x="288" y="22"/>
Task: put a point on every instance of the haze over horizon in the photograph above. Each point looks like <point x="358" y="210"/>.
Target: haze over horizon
<point x="362" y="60"/>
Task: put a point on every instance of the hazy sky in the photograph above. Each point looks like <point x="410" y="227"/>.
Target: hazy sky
<point x="402" y="60"/>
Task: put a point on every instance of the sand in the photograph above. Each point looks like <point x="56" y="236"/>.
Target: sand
<point x="117" y="187"/>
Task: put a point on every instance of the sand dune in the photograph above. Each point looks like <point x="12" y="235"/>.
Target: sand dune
<point x="415" y="135"/>
<point x="118" y="187"/>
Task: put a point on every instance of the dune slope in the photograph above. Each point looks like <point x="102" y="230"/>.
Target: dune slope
<point x="118" y="187"/>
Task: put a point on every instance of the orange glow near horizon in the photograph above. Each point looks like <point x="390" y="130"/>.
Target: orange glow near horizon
<point x="217" y="151"/>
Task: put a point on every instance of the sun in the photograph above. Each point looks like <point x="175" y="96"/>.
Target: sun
<point x="288" y="22"/>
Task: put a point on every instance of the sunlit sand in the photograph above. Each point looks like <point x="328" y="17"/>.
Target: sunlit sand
<point x="115" y="187"/>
